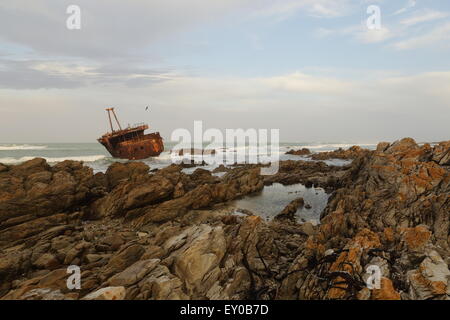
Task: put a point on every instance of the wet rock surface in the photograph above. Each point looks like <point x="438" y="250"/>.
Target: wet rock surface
<point x="310" y="174"/>
<point x="301" y="152"/>
<point x="344" y="154"/>
<point x="351" y="153"/>
<point x="138" y="234"/>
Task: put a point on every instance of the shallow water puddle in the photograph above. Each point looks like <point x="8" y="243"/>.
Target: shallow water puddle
<point x="273" y="199"/>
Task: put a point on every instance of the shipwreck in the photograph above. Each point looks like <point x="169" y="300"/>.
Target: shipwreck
<point x="131" y="143"/>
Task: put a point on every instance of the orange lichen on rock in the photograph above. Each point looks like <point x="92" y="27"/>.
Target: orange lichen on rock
<point x="332" y="224"/>
<point x="313" y="245"/>
<point x="422" y="284"/>
<point x="381" y="168"/>
<point x="436" y="173"/>
<point x="389" y="234"/>
<point x="436" y="287"/>
<point x="254" y="220"/>
<point x="367" y="239"/>
<point x="416" y="154"/>
<point x="344" y="263"/>
<point x="386" y="291"/>
<point x="416" y="237"/>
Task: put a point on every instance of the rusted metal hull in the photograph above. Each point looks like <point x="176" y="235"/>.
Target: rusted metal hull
<point x="131" y="143"/>
<point x="137" y="148"/>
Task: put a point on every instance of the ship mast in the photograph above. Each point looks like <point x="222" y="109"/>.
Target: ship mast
<point x="115" y="117"/>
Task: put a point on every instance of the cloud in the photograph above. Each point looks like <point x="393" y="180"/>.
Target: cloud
<point x="46" y="74"/>
<point x="113" y="29"/>
<point x="397" y="29"/>
<point x="374" y="36"/>
<point x="67" y="77"/>
<point x="283" y="9"/>
<point x="328" y="8"/>
<point x="304" y="106"/>
<point x="410" y="4"/>
<point x="25" y="75"/>
<point x="304" y="83"/>
<point x="360" y="33"/>
<point x="109" y="28"/>
<point x="424" y="16"/>
<point x="440" y="34"/>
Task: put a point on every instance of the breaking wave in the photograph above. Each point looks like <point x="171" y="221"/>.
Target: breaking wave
<point x="334" y="146"/>
<point x="93" y="158"/>
<point x="11" y="147"/>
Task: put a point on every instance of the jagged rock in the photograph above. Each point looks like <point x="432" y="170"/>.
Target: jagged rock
<point x="400" y="197"/>
<point x="51" y="282"/>
<point x="301" y="152"/>
<point x="386" y="291"/>
<point x="170" y="235"/>
<point x="131" y="195"/>
<point x="201" y="257"/>
<point x="76" y="251"/>
<point x="430" y="280"/>
<point x="307" y="173"/>
<point x="3" y="167"/>
<point x="133" y="273"/>
<point x="44" y="294"/>
<point x="33" y="195"/>
<point x="290" y="210"/>
<point x="108" y="293"/>
<point x="114" y="242"/>
<point x="118" y="172"/>
<point x="441" y="154"/>
<point x="234" y="184"/>
<point x="47" y="261"/>
<point x="221" y="168"/>
<point x="309" y="229"/>
<point x="123" y="259"/>
<point x="382" y="146"/>
<point x="351" y="153"/>
<point x="160" y="284"/>
<point x="93" y="257"/>
<point x="403" y="145"/>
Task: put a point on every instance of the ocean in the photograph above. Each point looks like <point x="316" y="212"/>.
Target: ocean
<point x="95" y="155"/>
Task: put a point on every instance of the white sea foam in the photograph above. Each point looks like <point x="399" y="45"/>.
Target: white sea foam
<point x="11" y="147"/>
<point x="13" y="154"/>
<point x="337" y="145"/>
<point x="10" y="160"/>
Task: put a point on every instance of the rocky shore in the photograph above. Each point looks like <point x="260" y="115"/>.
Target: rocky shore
<point x="136" y="233"/>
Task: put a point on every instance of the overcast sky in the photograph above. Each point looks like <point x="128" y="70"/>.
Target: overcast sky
<point x="310" y="68"/>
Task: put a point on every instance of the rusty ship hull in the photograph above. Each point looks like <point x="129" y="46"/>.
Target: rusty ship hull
<point x="132" y="143"/>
